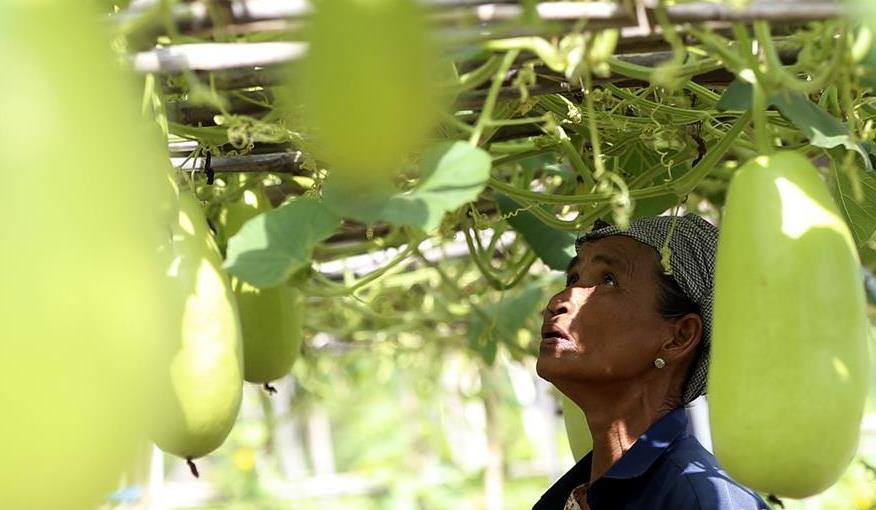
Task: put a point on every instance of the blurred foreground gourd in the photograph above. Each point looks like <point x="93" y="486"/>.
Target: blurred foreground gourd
<point x="202" y="386"/>
<point x="577" y="430"/>
<point x="83" y="300"/>
<point x="271" y="319"/>
<point x="367" y="87"/>
<point x="788" y="376"/>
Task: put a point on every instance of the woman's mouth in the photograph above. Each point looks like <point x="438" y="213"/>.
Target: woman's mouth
<point x="553" y="334"/>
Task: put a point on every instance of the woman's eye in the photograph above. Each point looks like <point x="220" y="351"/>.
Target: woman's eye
<point x="607" y="279"/>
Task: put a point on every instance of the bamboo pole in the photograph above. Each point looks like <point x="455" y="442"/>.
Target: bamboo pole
<point x="773" y="10"/>
<point x="196" y="14"/>
<point x="216" y="56"/>
<point x="258" y="64"/>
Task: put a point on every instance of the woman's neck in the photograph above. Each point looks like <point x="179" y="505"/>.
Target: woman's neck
<point x="617" y="418"/>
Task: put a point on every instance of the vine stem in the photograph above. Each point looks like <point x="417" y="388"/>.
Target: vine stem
<point x="515" y="122"/>
<point x="575" y="159"/>
<point x="760" y="88"/>
<point x="492" y="96"/>
<point x="458" y="124"/>
<point x="533" y="197"/>
<point x="777" y="70"/>
<point x="643" y="73"/>
<point x="679" y="114"/>
<point x="598" y="164"/>
<point x="721" y="47"/>
<point x="327" y="252"/>
<point x="845" y="87"/>
<point x="679" y="50"/>
<point x="678" y="187"/>
<point x="451" y="284"/>
<point x="510" y="158"/>
<point x="537" y="45"/>
<point x="687" y="183"/>
<point x="759" y="119"/>
<point x="350" y="289"/>
<point x="490" y="278"/>
<point x="476" y="77"/>
<point x="483" y="264"/>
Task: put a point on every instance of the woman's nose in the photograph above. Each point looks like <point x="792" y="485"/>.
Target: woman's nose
<point x="557" y="305"/>
<point x="568" y="300"/>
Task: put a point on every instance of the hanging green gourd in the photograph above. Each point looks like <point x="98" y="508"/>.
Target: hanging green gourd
<point x="789" y="368"/>
<point x="271" y="319"/>
<point x="202" y="386"/>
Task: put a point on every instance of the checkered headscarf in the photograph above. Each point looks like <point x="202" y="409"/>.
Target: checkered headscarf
<point x="692" y="246"/>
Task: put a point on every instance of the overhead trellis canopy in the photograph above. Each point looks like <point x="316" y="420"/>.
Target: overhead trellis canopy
<point x="584" y="109"/>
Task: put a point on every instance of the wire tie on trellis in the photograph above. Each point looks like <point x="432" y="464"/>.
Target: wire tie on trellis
<point x="209" y="169"/>
<point x="694" y="132"/>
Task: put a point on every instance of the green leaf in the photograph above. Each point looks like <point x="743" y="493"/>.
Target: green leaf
<point x="505" y="318"/>
<point x="861" y="216"/>
<point x="554" y="247"/>
<point x="821" y="128"/>
<point x="737" y="96"/>
<point x="453" y="174"/>
<point x="544" y="160"/>
<point x="653" y="206"/>
<point x="869" y="286"/>
<point x="483" y="341"/>
<point x="273" y="245"/>
<point x="639" y="159"/>
<point x="635" y="159"/>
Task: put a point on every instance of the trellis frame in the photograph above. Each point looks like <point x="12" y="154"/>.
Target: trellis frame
<point x="246" y="66"/>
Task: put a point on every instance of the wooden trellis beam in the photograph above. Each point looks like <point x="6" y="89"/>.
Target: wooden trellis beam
<point x="549" y="82"/>
<point x="276" y="163"/>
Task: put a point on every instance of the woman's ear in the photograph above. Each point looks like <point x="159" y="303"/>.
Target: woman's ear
<point x="687" y="332"/>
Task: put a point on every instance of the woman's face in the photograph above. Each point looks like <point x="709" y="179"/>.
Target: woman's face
<point x="604" y="325"/>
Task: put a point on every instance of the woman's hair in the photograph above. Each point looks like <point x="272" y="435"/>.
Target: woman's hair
<point x="672" y="303"/>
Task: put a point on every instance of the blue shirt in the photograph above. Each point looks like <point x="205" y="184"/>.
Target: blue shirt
<point x="665" y="469"/>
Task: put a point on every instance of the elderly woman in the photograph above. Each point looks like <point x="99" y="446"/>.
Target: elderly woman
<point x="628" y="341"/>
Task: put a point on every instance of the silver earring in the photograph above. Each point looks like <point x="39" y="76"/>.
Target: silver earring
<point x="659" y="363"/>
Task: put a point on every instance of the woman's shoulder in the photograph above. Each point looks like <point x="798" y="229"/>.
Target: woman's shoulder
<point x="700" y="478"/>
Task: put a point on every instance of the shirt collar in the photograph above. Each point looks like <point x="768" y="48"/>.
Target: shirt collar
<point x="641" y="456"/>
<point x="649" y="446"/>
